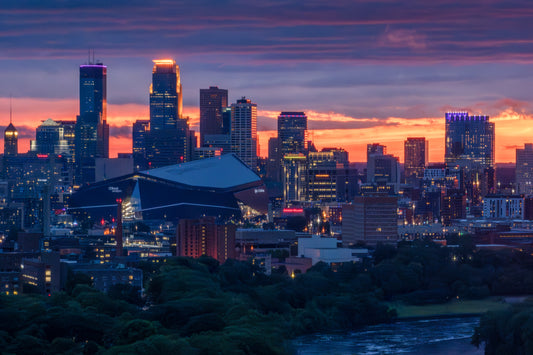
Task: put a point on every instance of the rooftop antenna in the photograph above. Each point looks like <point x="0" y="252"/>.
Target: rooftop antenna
<point x="10" y="108"/>
<point x="89" y="56"/>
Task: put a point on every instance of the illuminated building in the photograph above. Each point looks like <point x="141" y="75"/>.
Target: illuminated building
<point x="524" y="169"/>
<point x="294" y="177"/>
<point x="197" y="237"/>
<point x="49" y="139"/>
<point x="415" y="158"/>
<point x="10" y="141"/>
<point x="469" y="140"/>
<point x="218" y="186"/>
<point x="292" y="131"/>
<point x="92" y="130"/>
<point x="244" y="131"/>
<point x="329" y="176"/>
<point x="167" y="143"/>
<point x="381" y="168"/>
<point x="469" y="144"/>
<point x="42" y="275"/>
<point x="212" y="103"/>
<point x="503" y="207"/>
<point x="69" y="135"/>
<point x="138" y="139"/>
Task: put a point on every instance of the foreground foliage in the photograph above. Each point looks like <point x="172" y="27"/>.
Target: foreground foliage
<point x="201" y="307"/>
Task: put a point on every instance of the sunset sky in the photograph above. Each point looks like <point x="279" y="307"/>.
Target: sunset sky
<point x="363" y="71"/>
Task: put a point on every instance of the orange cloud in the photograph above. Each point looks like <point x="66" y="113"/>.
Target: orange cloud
<point x="513" y="127"/>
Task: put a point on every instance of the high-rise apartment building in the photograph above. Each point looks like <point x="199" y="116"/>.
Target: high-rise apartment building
<point x="168" y="140"/>
<point x="244" y="131"/>
<point x="197" y="237"/>
<point x="415" y="157"/>
<point x="92" y="130"/>
<point x="524" y="169"/>
<point x="292" y="131"/>
<point x="212" y="103"/>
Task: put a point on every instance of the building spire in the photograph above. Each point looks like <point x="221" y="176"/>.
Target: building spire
<point x="10" y="108"/>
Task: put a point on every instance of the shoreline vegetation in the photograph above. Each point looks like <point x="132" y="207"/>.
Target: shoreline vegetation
<point x="198" y="306"/>
<point x="453" y="308"/>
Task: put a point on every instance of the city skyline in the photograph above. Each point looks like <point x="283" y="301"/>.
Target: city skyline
<point x="360" y="75"/>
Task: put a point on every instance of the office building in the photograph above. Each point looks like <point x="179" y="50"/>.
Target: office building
<point x="503" y="207"/>
<point x="469" y="140"/>
<point x="381" y="168"/>
<point x="415" y="158"/>
<point x="212" y="103"/>
<point x="11" y="146"/>
<point x="244" y="131"/>
<point x="294" y="177"/>
<point x="292" y="131"/>
<point x="49" y="139"/>
<point x="469" y="144"/>
<point x="167" y="143"/>
<point x="69" y="135"/>
<point x="329" y="176"/>
<point x="370" y="219"/>
<point x="524" y="169"/>
<point x="92" y="130"/>
<point x="274" y="160"/>
<point x="139" y="132"/>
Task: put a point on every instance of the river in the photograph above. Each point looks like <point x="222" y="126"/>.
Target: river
<point x="443" y="336"/>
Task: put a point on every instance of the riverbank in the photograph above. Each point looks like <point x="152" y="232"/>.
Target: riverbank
<point x="454" y="308"/>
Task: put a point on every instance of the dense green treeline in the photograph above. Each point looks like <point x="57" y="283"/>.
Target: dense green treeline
<point x="201" y="307"/>
<point x="508" y="331"/>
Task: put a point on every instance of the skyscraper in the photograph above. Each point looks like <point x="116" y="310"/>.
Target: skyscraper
<point x="11" y="141"/>
<point x="92" y="130"/>
<point x="212" y="103"/>
<point x="470" y="145"/>
<point x="415" y="157"/>
<point x="49" y="139"/>
<point x="165" y="95"/>
<point x="469" y="140"/>
<point x="139" y="131"/>
<point x="292" y="130"/>
<point x="524" y="169"/>
<point x="244" y="131"/>
<point x="167" y="142"/>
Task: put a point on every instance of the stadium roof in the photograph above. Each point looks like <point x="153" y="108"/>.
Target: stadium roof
<point x="221" y="172"/>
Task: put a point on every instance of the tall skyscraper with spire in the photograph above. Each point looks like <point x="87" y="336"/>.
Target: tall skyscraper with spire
<point x="10" y="136"/>
<point x="168" y="139"/>
<point x="92" y="130"/>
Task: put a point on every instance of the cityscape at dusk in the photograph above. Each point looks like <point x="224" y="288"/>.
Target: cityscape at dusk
<point x="266" y="177"/>
<point x="363" y="72"/>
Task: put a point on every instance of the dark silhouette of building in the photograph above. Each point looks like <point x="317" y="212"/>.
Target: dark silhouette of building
<point x="138" y="139"/>
<point x="167" y="142"/>
<point x="212" y="103"/>
<point x="524" y="169"/>
<point x="92" y="130"/>
<point x="415" y="158"/>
